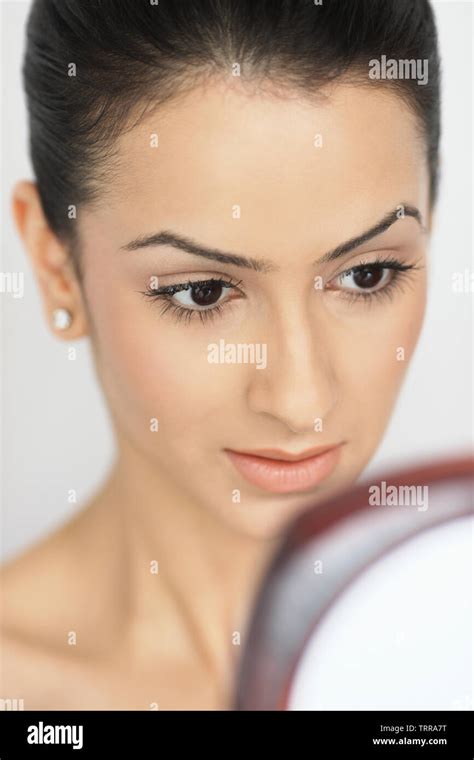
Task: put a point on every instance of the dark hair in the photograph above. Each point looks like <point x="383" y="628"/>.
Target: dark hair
<point x="132" y="55"/>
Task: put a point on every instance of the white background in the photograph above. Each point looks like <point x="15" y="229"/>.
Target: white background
<point x="55" y="432"/>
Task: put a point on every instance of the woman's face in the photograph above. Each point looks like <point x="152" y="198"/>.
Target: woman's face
<point x="292" y="353"/>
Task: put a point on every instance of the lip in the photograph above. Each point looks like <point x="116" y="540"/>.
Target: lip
<point x="278" y="471"/>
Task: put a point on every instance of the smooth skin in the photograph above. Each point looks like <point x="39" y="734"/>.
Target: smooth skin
<point x="169" y="639"/>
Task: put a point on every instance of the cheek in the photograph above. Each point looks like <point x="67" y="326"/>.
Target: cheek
<point x="151" y="367"/>
<point x="376" y="358"/>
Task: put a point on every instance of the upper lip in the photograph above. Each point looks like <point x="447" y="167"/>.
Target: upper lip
<point x="286" y="456"/>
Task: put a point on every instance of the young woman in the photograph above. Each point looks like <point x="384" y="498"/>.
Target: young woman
<point x="233" y="203"/>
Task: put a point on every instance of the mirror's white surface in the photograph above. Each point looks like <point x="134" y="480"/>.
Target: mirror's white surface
<point x="401" y="636"/>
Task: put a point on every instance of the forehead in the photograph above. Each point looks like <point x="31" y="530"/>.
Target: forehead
<point x="287" y="166"/>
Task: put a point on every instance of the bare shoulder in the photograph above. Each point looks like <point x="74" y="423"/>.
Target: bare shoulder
<point x="35" y="677"/>
<point x="18" y="687"/>
<point x="44" y="595"/>
<point x="36" y="584"/>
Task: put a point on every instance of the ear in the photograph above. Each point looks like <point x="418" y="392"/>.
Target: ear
<point x="50" y="259"/>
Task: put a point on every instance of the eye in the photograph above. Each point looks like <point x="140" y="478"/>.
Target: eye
<point x="203" y="298"/>
<point x="367" y="278"/>
<point x="202" y="294"/>
<point x="371" y="279"/>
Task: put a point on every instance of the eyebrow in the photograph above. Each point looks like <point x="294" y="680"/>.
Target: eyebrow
<point x="172" y="239"/>
<point x="190" y="246"/>
<point x="388" y="220"/>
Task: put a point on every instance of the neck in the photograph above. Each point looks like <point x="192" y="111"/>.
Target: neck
<point x="190" y="580"/>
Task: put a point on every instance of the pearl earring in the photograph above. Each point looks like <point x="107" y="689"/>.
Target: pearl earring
<point x="62" y="319"/>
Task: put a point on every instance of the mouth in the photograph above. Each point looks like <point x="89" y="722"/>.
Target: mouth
<point x="282" y="472"/>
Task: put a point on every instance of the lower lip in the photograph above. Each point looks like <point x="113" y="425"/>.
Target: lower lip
<point x="279" y="476"/>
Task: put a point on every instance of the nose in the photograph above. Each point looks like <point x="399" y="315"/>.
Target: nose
<point x="298" y="386"/>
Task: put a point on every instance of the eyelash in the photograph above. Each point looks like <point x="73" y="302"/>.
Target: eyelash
<point x="182" y="314"/>
<point x="399" y="272"/>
